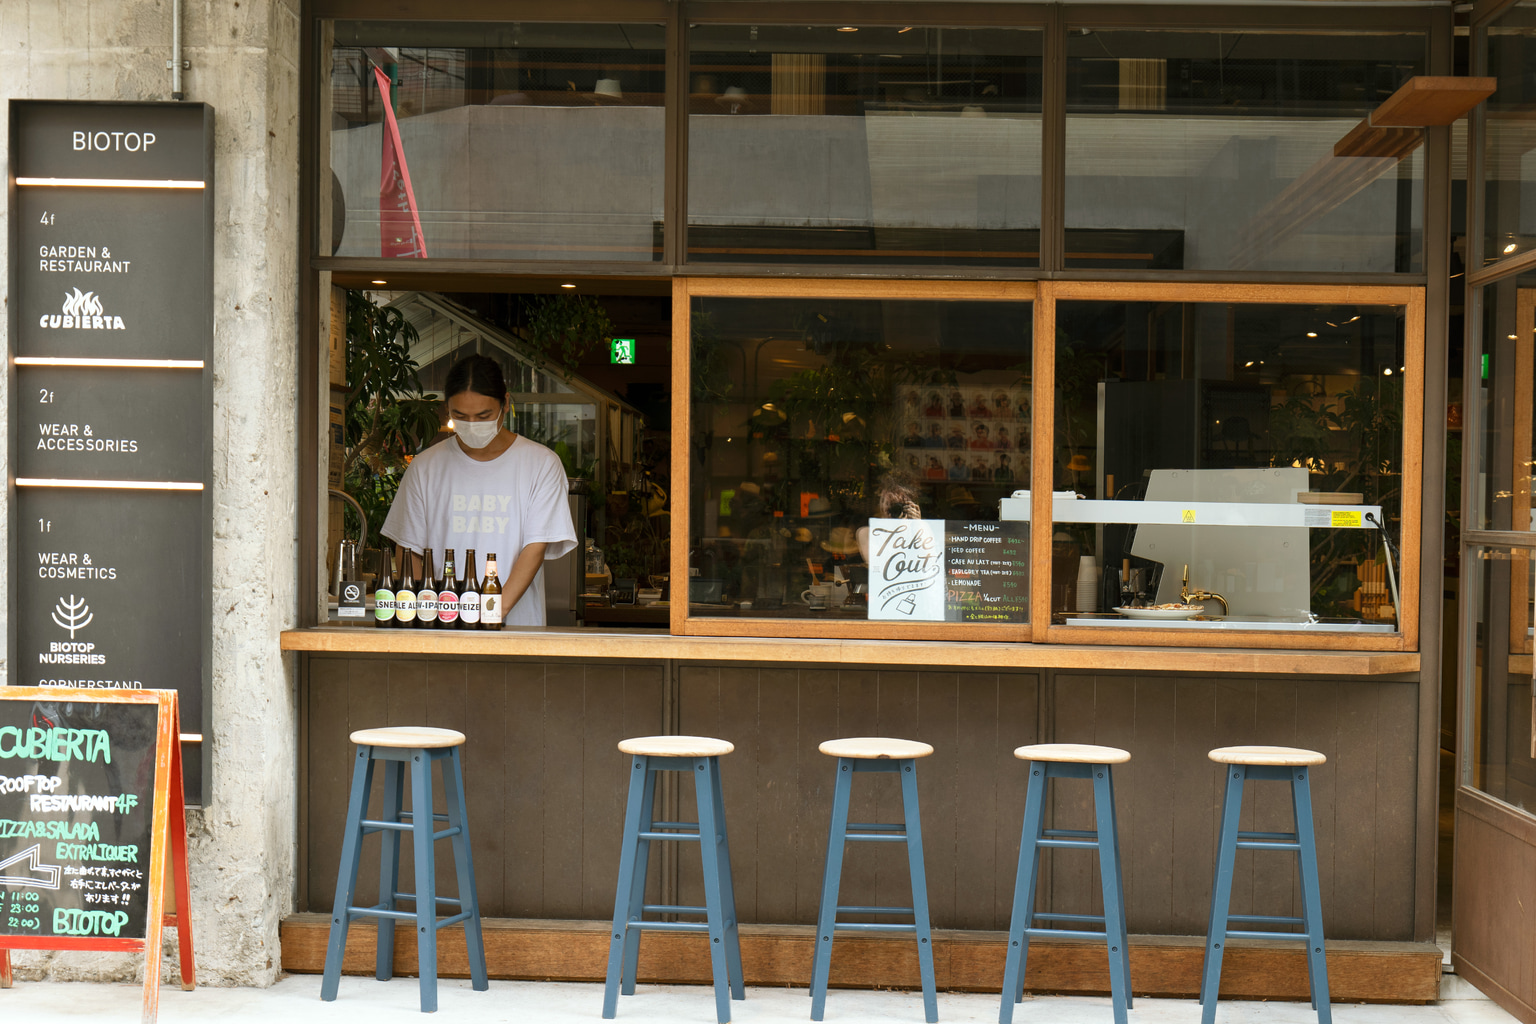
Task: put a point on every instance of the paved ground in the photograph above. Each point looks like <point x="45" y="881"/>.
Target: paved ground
<point x="295" y="1000"/>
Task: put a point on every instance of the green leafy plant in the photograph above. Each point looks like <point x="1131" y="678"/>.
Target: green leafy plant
<point x="386" y="420"/>
<point x="561" y="329"/>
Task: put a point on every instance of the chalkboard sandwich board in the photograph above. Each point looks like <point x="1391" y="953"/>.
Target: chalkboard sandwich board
<point x="91" y="803"/>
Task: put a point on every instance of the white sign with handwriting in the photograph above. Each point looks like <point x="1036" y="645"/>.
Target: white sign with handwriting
<point x="906" y="570"/>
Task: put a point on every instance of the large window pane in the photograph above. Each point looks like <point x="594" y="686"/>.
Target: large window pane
<point x="861" y="144"/>
<point x="521" y="141"/>
<point x="1215" y="151"/>
<point x="1503" y="412"/>
<point x="827" y="433"/>
<point x="1257" y="448"/>
<point x="1509" y="167"/>
<point x="1497" y="719"/>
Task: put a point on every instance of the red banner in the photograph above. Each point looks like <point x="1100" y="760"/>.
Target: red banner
<point x="399" y="225"/>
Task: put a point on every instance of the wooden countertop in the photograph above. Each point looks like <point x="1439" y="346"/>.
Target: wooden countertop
<point x="593" y="644"/>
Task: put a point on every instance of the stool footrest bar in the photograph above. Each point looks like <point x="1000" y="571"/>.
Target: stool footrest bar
<point x="398" y="915"/>
<point x="1243" y="844"/>
<point x="1081" y="833"/>
<point x="865" y="826"/>
<point x="675" y="824"/>
<point x="435" y="817"/>
<point x="1069" y="844"/>
<point x="876" y="839"/>
<point x="369" y="825"/>
<point x="455" y="919"/>
<point x="1294" y="936"/>
<point x="441" y="899"/>
<point x="1266" y="919"/>
<point x="682" y="837"/>
<point x="671" y="926"/>
<point x="1267" y="835"/>
<point x="860" y="926"/>
<point x="1062" y="933"/>
<point x="670" y="908"/>
<point x="447" y="833"/>
<point x="1090" y="918"/>
<point x="874" y="910"/>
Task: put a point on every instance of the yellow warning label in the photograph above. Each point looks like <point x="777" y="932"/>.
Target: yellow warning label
<point x="1347" y="520"/>
<point x="1189" y="515"/>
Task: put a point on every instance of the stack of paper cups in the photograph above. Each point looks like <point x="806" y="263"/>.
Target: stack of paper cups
<point x="1087" y="584"/>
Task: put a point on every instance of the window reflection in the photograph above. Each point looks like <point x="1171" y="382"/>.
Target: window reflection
<point x="1248" y="458"/>
<point x="864" y="144"/>
<point x="521" y="141"/>
<point x="833" y="437"/>
<point x="1505" y="411"/>
<point x="1498" y="717"/>
<point x="1215" y="151"/>
<point x="1509" y="177"/>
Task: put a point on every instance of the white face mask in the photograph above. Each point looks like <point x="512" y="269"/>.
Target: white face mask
<point x="477" y="433"/>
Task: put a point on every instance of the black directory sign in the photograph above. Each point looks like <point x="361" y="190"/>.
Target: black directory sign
<point x="76" y="815"/>
<point x="111" y="344"/>
<point x="986" y="571"/>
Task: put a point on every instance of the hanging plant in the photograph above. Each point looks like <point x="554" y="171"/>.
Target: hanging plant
<point x="561" y="329"/>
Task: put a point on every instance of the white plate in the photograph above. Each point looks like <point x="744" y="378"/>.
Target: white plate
<point x="1166" y="614"/>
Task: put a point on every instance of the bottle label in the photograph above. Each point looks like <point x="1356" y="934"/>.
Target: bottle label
<point x="405" y="606"/>
<point x="447" y="607"/>
<point x="426" y="605"/>
<point x="490" y="609"/>
<point x="469" y="608"/>
<point x="384" y="605"/>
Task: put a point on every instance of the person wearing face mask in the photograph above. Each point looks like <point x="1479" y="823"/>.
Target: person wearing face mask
<point x="486" y="488"/>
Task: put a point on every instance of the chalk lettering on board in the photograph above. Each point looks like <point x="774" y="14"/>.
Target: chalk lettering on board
<point x="32" y="855"/>
<point x="56" y="744"/>
<point x="88" y="922"/>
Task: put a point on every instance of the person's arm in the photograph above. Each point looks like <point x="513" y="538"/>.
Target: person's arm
<point x="520" y="576"/>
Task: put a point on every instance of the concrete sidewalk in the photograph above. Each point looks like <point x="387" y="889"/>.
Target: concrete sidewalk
<point x="296" y="1000"/>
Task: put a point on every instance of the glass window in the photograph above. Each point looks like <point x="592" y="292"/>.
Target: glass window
<point x="1249" y="457"/>
<point x="1509" y="168"/>
<point x="1215" y="151"/>
<point x="861" y="144"/>
<point x="509" y="141"/>
<point x="850" y="456"/>
<point x="1504" y="413"/>
<point x="1497" y="721"/>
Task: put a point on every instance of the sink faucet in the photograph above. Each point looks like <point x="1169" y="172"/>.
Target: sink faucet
<point x="1186" y="595"/>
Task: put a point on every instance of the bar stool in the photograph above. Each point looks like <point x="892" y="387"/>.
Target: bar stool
<point x="1273" y="764"/>
<point x="1069" y="761"/>
<point x="700" y="757"/>
<point x="417" y="747"/>
<point x="874" y="754"/>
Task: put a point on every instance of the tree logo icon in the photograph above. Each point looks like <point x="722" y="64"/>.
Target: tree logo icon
<point x="72" y="614"/>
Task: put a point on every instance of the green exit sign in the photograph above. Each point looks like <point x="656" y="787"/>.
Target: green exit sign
<point x="621" y="350"/>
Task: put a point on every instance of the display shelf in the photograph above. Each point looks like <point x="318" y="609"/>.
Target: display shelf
<point x="1200" y="513"/>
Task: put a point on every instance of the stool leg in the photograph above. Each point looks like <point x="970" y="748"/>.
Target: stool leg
<point x="630" y="968"/>
<point x="422" y="826"/>
<point x="831" y="877"/>
<point x="728" y="887"/>
<point x="1114" y="895"/>
<point x="912" y="817"/>
<point x="389" y="868"/>
<point x="1125" y="938"/>
<point x="1311" y="899"/>
<point x="464" y="870"/>
<point x="1024" y="893"/>
<point x="346" y="875"/>
<point x="621" y="901"/>
<point x="1221" y="893"/>
<point x="711" y="829"/>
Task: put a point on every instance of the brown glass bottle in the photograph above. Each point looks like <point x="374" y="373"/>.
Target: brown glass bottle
<point x="426" y="594"/>
<point x="447" y="595"/>
<point x="469" y="593"/>
<point x="492" y="614"/>
<point x="384" y="592"/>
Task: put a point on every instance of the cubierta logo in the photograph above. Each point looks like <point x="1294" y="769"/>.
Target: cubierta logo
<point x="82" y="311"/>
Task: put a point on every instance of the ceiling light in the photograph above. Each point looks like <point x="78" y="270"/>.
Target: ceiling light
<point x="1311" y="334"/>
<point x="1248" y="363"/>
<point x="901" y="30"/>
<point x="1511" y="247"/>
<point x="378" y="282"/>
<point x="567" y="286"/>
<point x="847" y="28"/>
<point x="1387" y="372"/>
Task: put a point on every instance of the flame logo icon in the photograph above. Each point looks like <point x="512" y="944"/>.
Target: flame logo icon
<point x="79" y="304"/>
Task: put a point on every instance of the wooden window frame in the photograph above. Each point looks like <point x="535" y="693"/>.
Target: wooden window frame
<point x="1045" y="295"/>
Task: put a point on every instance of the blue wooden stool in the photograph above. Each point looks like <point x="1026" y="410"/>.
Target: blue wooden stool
<point x="874" y="754"/>
<point x="397" y="748"/>
<point x="1273" y="764"/>
<point x="700" y="757"/>
<point x="1069" y="761"/>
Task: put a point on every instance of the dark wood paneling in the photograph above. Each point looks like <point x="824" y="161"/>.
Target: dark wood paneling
<point x="547" y="784"/>
<point x="1495" y="879"/>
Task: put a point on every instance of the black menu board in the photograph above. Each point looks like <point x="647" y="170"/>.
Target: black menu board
<point x="111" y="339"/>
<point x="986" y="571"/>
<point x="77" y="803"/>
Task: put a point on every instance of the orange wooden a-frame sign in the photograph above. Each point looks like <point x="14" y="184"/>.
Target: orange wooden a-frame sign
<point x="168" y="822"/>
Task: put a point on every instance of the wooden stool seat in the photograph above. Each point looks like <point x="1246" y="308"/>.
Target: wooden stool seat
<point x="1073" y="753"/>
<point x="676" y="746"/>
<point x="1288" y="756"/>
<point x="409" y="736"/>
<point x="869" y="748"/>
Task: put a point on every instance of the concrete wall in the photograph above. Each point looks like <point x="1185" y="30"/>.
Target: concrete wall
<point x="245" y="63"/>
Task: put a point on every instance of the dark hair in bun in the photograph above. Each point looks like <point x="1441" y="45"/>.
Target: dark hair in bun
<point x="479" y="374"/>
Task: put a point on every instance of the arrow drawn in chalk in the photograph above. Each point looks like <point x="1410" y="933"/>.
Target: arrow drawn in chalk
<point x="33" y="855"/>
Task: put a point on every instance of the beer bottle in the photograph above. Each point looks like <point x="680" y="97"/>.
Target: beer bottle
<point x="384" y="593"/>
<point x="405" y="596"/>
<point x="492" y="614"/>
<point x="447" y="595"/>
<point x="426" y="595"/>
<point x="469" y="594"/>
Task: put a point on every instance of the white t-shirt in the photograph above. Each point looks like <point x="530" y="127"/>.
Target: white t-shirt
<point x="449" y="501"/>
